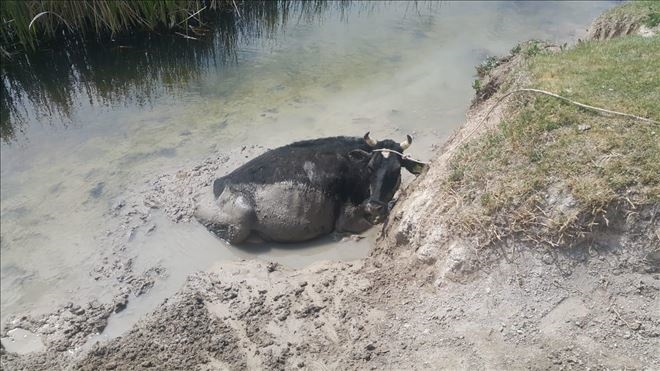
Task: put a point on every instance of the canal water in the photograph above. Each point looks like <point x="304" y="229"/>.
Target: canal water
<point x="82" y="126"/>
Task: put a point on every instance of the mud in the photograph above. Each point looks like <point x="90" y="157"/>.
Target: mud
<point x="68" y="328"/>
<point x="515" y="308"/>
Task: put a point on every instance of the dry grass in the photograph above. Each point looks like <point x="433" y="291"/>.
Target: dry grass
<point x="552" y="172"/>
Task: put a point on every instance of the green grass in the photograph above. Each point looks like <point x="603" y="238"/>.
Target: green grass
<point x="533" y="49"/>
<point x="476" y="85"/>
<point x="487" y="65"/>
<point x="552" y="172"/>
<point x="622" y="74"/>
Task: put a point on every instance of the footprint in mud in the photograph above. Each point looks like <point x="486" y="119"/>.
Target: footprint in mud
<point x="97" y="190"/>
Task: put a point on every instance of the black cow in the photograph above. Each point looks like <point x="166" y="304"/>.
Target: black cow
<point x="306" y="189"/>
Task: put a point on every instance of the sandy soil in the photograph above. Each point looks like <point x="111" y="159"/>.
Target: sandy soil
<point x="422" y="299"/>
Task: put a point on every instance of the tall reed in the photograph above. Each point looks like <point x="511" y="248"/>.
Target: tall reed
<point x="132" y="67"/>
<point x="27" y="23"/>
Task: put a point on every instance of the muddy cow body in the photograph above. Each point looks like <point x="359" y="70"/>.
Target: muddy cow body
<point x="307" y="189"/>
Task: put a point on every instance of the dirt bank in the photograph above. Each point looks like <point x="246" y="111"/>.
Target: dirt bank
<point x="431" y="295"/>
<point x="632" y="18"/>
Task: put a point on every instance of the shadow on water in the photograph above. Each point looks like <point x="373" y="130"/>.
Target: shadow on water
<point x="48" y="86"/>
<point x="265" y="247"/>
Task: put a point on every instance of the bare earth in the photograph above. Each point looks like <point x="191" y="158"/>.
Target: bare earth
<point x="423" y="299"/>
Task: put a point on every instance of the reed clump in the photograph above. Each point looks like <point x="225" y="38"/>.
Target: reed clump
<point x="25" y="24"/>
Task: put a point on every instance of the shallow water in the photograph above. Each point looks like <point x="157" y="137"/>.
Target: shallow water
<point x="22" y="341"/>
<point x="388" y="68"/>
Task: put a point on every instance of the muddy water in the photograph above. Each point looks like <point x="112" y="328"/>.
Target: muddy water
<point x="389" y="68"/>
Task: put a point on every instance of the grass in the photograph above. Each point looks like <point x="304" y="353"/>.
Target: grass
<point x="533" y="49"/>
<point x="552" y="172"/>
<point x="476" y="85"/>
<point x="622" y="74"/>
<point x="27" y="23"/>
<point x="487" y="65"/>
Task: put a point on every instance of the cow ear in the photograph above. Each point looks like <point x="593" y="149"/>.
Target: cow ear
<point x="414" y="166"/>
<point x="359" y="155"/>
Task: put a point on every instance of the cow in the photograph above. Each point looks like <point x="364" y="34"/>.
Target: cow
<point x="307" y="189"/>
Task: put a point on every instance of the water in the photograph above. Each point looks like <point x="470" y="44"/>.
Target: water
<point x="22" y="341"/>
<point x="86" y="127"/>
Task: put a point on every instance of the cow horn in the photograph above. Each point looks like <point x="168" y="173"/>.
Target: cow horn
<point x="370" y="142"/>
<point x="406" y="143"/>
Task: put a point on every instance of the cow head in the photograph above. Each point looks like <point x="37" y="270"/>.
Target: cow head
<point x="383" y="164"/>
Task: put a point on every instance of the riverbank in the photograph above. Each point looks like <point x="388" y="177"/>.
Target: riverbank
<point x="444" y="288"/>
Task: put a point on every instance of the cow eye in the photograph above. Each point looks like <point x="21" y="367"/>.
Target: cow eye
<point x="371" y="166"/>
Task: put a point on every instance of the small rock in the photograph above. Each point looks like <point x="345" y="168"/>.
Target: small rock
<point x="547" y="258"/>
<point x="584" y="127"/>
<point x="118" y="205"/>
<point x="131" y="234"/>
<point x="121" y="305"/>
<point x="77" y="310"/>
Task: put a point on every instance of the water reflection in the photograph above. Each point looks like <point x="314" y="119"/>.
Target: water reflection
<point x="391" y="68"/>
<point x="45" y="86"/>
